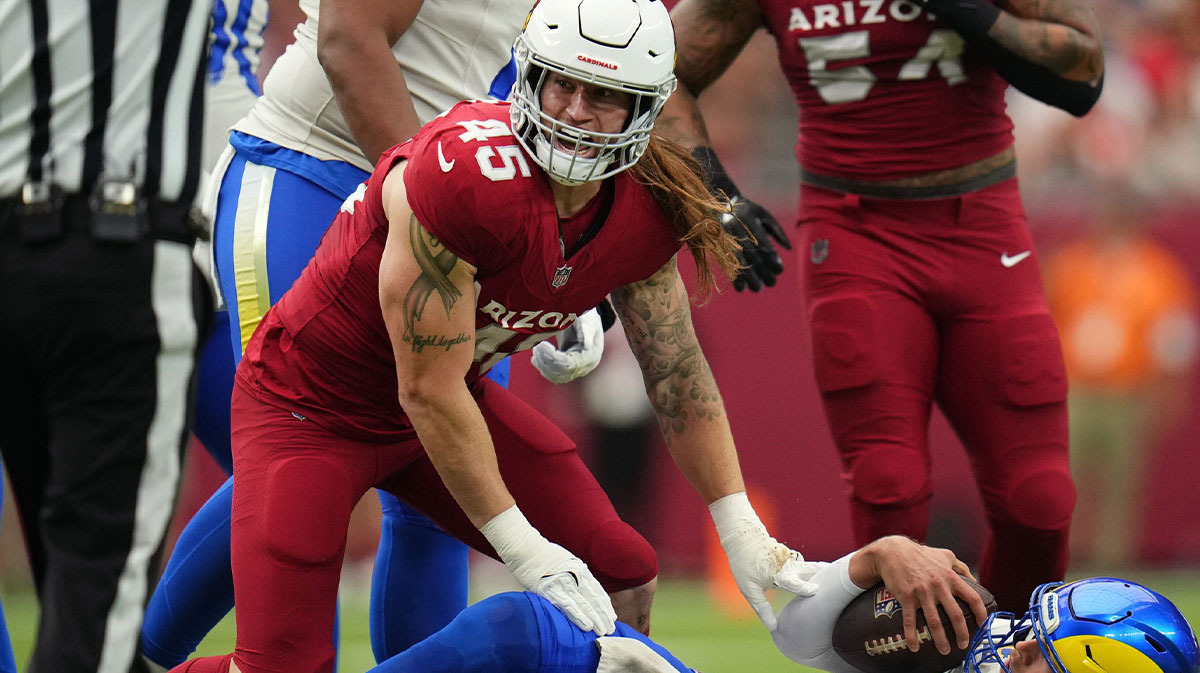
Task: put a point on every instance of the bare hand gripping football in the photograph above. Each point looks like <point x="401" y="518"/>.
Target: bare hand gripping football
<point x="869" y="634"/>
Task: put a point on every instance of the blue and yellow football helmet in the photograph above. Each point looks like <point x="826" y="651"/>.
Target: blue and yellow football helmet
<point x="1096" y="625"/>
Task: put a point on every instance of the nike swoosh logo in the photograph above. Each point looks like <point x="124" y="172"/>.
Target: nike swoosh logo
<point x="1010" y="262"/>
<point x="447" y="165"/>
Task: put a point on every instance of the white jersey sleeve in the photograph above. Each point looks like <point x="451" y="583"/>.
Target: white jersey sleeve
<point x="805" y="630"/>
<point x="452" y="52"/>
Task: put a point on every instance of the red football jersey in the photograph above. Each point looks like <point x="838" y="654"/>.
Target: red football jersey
<point x="323" y="350"/>
<point x="885" y="90"/>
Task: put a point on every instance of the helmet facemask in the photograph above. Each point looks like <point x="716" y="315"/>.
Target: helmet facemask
<point x="993" y="642"/>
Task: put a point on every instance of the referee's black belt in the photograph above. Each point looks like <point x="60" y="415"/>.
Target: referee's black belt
<point x="76" y="214"/>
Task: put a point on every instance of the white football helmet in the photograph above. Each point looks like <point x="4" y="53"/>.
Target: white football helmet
<point x="626" y="45"/>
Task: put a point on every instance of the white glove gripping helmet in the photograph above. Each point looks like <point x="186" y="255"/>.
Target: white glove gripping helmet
<point x="626" y="45"/>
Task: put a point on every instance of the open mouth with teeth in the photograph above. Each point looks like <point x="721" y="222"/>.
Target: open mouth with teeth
<point x="582" y="147"/>
<point x="575" y="149"/>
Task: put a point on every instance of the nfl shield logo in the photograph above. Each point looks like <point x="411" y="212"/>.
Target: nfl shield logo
<point x="886" y="604"/>
<point x="561" y="275"/>
<point x="819" y="250"/>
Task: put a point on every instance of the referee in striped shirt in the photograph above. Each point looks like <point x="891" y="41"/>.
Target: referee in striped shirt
<point x="101" y="307"/>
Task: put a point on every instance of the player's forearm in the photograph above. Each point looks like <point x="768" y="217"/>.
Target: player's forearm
<point x="1068" y="51"/>
<point x="457" y="441"/>
<point x="686" y="401"/>
<point x="656" y="316"/>
<point x="370" y="90"/>
<point x="709" y="36"/>
<point x="1047" y="49"/>
<point x="682" y="122"/>
<point x="1057" y="63"/>
<point x="704" y="452"/>
<point x="864" y="565"/>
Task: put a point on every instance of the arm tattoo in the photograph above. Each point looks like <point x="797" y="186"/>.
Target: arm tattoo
<point x="1073" y="13"/>
<point x="687" y="129"/>
<point x="658" y="324"/>
<point x="436" y="263"/>
<point x="1061" y="35"/>
<point x="715" y="32"/>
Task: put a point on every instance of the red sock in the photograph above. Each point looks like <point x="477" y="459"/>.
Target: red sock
<point x="205" y="665"/>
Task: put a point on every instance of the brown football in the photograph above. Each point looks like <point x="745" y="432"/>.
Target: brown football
<point x="869" y="634"/>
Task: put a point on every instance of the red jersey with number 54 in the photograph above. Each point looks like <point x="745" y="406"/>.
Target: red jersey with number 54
<point x="324" y="351"/>
<point x="885" y="90"/>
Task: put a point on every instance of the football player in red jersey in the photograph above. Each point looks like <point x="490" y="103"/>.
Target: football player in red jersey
<point x="921" y="280"/>
<point x="487" y="233"/>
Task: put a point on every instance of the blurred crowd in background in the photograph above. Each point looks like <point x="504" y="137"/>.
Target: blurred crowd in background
<point x="1114" y="205"/>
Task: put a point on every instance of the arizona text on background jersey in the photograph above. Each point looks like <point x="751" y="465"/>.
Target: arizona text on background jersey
<point x="885" y="90"/>
<point x="473" y="187"/>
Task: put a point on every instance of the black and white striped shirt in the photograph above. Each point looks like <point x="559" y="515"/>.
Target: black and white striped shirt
<point x="111" y="88"/>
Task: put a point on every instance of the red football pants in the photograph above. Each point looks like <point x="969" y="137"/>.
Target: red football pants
<point x="295" y="485"/>
<point x="916" y="302"/>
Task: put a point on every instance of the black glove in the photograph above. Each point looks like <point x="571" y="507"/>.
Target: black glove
<point x="754" y="228"/>
<point x="749" y="223"/>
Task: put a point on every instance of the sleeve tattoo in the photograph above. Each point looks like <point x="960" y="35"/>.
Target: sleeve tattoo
<point x="658" y="324"/>
<point x="436" y="262"/>
<point x="715" y="32"/>
<point x="1060" y="34"/>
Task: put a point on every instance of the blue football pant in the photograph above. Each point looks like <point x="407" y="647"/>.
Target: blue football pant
<point x="515" y="633"/>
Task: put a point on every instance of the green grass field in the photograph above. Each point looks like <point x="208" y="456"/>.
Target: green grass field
<point x="684" y="621"/>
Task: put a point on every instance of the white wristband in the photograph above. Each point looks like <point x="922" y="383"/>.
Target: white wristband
<point x="509" y="531"/>
<point x="731" y="512"/>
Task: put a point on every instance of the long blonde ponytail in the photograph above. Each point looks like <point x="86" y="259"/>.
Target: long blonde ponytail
<point x="677" y="182"/>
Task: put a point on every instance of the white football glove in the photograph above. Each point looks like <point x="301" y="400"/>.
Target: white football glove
<point x="551" y="572"/>
<point x="758" y="561"/>
<point x="579" y="349"/>
<point x="619" y="654"/>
